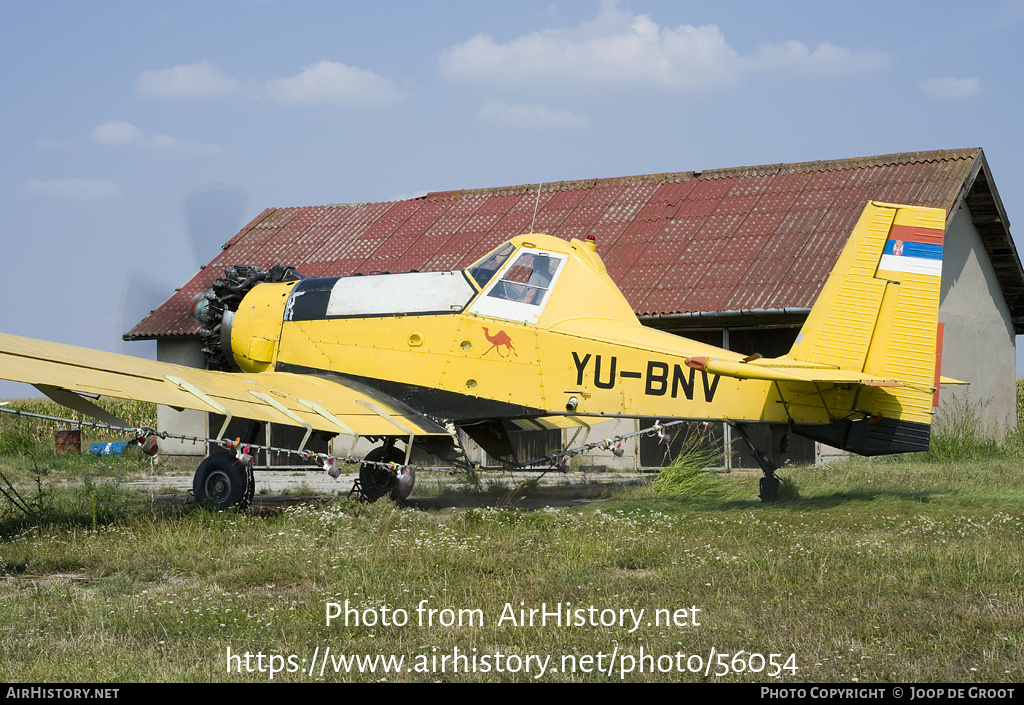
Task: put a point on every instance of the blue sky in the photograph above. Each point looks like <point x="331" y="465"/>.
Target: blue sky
<point x="117" y="112"/>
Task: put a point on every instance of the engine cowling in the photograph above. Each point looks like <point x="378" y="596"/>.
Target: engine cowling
<point x="254" y="330"/>
<point x="217" y="310"/>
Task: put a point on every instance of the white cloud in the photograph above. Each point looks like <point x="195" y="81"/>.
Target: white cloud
<point x="172" y="144"/>
<point x="323" y="82"/>
<point x="408" y="197"/>
<point x="125" y="133"/>
<point x="117" y="132"/>
<point x="948" y="88"/>
<point x="74" y="189"/>
<point x="331" y="82"/>
<point x="826" y="60"/>
<point x="618" y="48"/>
<point x="529" y="116"/>
<point x="202" y="80"/>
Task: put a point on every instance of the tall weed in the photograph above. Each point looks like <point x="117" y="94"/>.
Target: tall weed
<point x="1020" y="400"/>
<point x="958" y="432"/>
<point x="688" y="474"/>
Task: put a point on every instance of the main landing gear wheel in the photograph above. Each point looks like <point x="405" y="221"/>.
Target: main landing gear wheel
<point x="377" y="481"/>
<point x="222" y="482"/>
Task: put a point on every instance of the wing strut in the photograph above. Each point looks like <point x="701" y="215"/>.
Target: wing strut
<point x="79" y="404"/>
<point x="380" y="412"/>
<point x="191" y="389"/>
<point x="287" y="412"/>
<point x="313" y="406"/>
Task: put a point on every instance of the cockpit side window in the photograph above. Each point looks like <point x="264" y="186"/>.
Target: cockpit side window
<point x="483" y="269"/>
<point x="523" y="288"/>
<point x="527" y="280"/>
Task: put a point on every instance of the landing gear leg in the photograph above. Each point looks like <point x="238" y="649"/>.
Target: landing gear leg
<point x="769" y="485"/>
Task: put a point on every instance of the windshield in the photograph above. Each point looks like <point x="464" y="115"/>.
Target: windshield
<point x="483" y="269"/>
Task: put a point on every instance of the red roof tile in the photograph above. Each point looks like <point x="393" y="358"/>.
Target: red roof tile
<point x="729" y="239"/>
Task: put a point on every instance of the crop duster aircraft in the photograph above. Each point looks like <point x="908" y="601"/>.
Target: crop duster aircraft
<point x="535" y="332"/>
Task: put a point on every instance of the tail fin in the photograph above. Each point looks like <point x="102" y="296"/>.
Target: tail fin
<point x="878" y="315"/>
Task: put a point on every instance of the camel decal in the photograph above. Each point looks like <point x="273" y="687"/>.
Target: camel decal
<point x="498" y="341"/>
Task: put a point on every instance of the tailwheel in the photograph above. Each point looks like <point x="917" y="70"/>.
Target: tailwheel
<point x="222" y="482"/>
<point x="375" y="480"/>
<point x="769" y="487"/>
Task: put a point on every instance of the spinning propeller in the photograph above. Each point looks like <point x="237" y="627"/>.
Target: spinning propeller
<point x="212" y="213"/>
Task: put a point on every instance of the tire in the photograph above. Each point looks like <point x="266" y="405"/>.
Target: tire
<point x="221" y="482"/>
<point x="376" y="481"/>
<point x="769" y="488"/>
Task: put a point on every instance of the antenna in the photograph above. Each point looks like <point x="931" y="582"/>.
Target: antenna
<point x="535" y="205"/>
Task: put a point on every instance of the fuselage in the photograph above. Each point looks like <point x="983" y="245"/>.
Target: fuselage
<point x="501" y="340"/>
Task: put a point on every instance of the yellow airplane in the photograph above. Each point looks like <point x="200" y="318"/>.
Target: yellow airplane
<point x="534" y="333"/>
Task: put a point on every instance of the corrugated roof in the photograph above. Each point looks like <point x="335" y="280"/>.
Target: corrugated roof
<point x="747" y="238"/>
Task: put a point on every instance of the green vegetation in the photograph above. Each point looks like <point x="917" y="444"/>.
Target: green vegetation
<point x="35" y="438"/>
<point x="909" y="570"/>
<point x="959" y="434"/>
<point x="687" y="476"/>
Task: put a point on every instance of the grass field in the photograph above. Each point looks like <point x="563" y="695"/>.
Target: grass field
<point x="901" y="570"/>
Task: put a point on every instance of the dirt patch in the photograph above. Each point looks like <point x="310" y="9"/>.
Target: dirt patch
<point x="434" y="492"/>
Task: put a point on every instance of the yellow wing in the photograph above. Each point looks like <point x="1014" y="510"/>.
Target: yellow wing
<point x="322" y="404"/>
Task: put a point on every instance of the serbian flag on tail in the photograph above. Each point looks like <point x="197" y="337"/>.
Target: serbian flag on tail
<point x="911" y="249"/>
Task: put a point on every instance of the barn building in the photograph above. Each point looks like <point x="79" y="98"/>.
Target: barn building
<point x="732" y="257"/>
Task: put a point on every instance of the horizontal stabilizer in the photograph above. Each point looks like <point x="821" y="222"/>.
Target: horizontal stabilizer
<point x="765" y="369"/>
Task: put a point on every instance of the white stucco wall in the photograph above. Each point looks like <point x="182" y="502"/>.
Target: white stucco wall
<point x="188" y="352"/>
<point x="597" y="458"/>
<point x="978" y="341"/>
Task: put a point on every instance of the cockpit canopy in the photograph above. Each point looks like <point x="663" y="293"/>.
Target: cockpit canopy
<point x="513" y="282"/>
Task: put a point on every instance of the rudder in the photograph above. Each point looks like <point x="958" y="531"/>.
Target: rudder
<point x="878" y="314"/>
